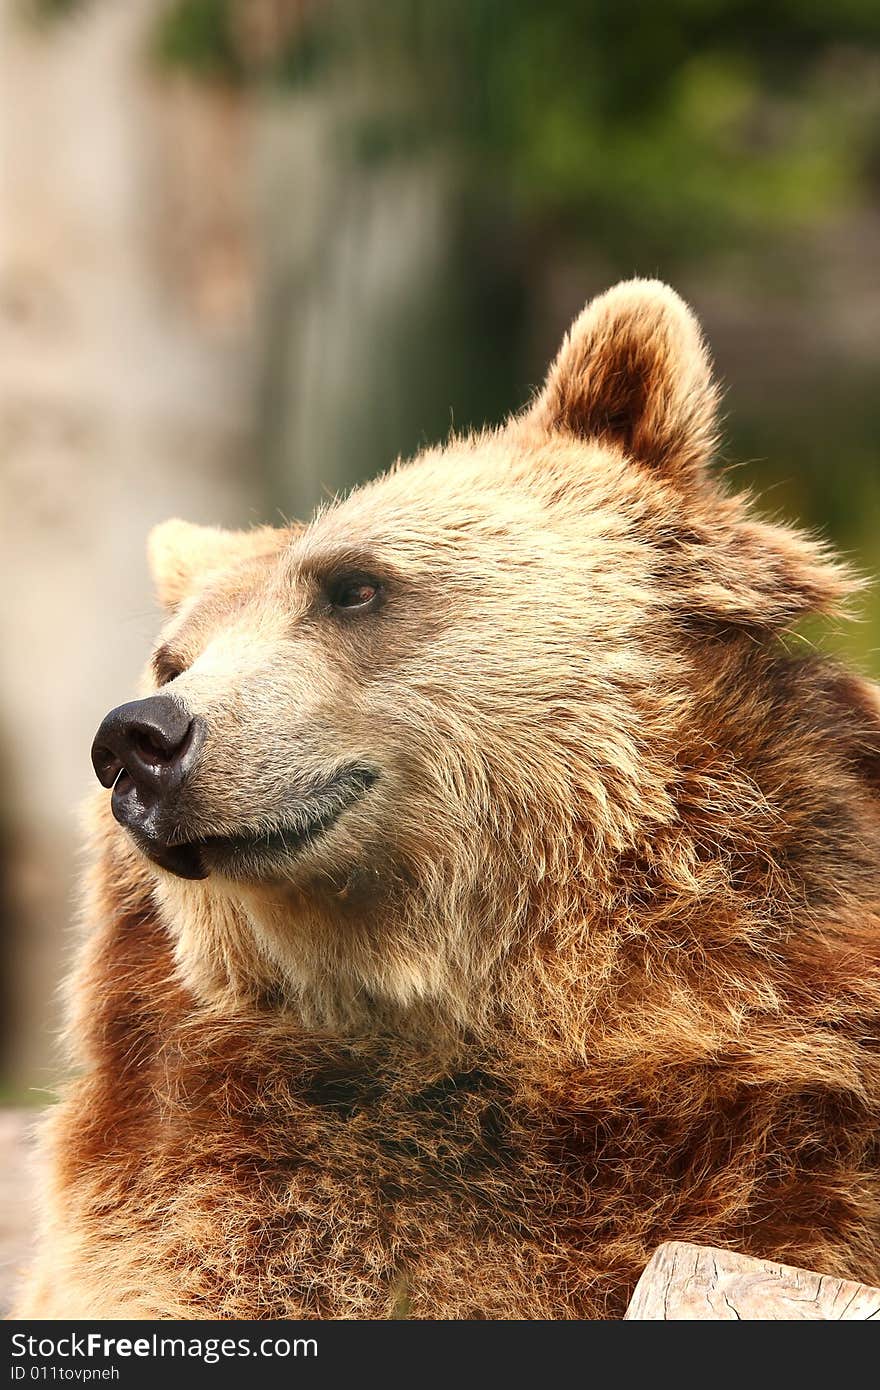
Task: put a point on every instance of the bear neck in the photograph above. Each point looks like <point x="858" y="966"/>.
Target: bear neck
<point x="735" y="909"/>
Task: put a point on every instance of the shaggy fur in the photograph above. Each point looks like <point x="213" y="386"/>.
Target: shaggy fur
<point x="595" y="963"/>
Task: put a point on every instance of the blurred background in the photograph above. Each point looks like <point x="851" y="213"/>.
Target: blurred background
<point x="253" y="250"/>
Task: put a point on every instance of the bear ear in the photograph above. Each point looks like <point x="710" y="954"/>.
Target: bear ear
<point x="182" y="555"/>
<point x="634" y="372"/>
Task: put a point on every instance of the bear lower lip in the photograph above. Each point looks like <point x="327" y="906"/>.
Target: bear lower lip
<point x="183" y="860"/>
<point x="246" y="852"/>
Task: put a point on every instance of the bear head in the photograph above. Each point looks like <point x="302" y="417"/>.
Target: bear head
<point x="440" y="724"/>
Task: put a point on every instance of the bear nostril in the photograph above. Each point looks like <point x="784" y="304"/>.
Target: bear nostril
<point x="151" y="750"/>
<point x="107" y="764"/>
<point x="152" y="742"/>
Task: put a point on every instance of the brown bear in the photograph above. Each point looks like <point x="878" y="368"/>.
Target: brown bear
<point x="489" y="893"/>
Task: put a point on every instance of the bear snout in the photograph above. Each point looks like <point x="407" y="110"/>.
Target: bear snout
<point x="145" y="750"/>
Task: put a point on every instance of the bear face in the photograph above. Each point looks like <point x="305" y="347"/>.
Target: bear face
<point x="455" y="707"/>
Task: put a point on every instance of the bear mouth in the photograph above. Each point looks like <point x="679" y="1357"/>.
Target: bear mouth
<point x="253" y="853"/>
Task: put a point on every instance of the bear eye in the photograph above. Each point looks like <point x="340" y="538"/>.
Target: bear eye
<point x="355" y="593"/>
<point x="166" y="667"/>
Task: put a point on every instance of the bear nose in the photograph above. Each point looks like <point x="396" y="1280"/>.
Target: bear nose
<point x="149" y="742"/>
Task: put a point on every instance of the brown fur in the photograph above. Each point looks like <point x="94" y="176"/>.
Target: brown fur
<point x="594" y="964"/>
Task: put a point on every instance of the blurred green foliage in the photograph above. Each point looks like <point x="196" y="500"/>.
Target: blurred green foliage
<point x="52" y="9"/>
<point x="199" y="35"/>
<point x="662" y="129"/>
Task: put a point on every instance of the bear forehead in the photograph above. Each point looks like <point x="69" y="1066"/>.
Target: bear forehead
<point x="480" y="497"/>
<point x="467" y="514"/>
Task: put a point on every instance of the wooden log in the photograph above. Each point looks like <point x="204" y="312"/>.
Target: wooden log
<point x="683" y="1281"/>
